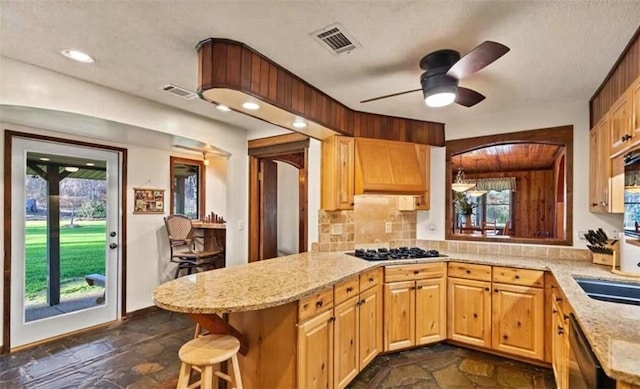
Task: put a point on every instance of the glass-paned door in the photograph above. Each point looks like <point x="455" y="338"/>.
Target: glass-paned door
<point x="65" y="238"/>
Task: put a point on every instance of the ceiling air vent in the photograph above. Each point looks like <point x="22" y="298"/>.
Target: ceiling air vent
<point x="180" y="92"/>
<point x="335" y="39"/>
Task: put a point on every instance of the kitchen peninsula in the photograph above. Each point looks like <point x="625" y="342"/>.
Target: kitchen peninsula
<point x="278" y="306"/>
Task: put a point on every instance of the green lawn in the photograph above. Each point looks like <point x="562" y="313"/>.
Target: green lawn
<point x="82" y="252"/>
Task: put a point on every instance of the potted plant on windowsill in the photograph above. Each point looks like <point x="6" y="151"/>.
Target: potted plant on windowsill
<point x="464" y="207"/>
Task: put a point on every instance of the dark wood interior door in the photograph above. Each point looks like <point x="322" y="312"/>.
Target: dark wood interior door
<point x="268" y="209"/>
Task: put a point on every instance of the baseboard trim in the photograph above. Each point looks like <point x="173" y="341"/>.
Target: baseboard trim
<point x="141" y="312"/>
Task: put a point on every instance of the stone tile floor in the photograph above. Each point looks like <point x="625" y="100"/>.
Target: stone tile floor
<point x="142" y="353"/>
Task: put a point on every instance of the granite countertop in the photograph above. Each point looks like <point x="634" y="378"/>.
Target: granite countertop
<point x="613" y="329"/>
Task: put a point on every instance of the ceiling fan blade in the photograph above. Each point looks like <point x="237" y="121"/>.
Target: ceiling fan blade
<point x="468" y="97"/>
<point x="391" y="95"/>
<point x="481" y="56"/>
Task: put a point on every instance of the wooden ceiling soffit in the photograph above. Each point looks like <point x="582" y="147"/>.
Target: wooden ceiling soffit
<point x="230" y="73"/>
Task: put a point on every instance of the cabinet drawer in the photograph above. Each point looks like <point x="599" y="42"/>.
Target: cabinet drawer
<point x="314" y="304"/>
<point x="370" y="279"/>
<point x="418" y="271"/>
<point x="346" y="289"/>
<point x="470" y="271"/>
<point x="526" y="277"/>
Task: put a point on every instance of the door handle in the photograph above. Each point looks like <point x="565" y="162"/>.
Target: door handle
<point x="113" y="246"/>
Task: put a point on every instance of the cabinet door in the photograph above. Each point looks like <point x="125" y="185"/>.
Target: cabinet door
<point x="518" y="320"/>
<point x="315" y="352"/>
<point x="345" y="332"/>
<point x="621" y="131"/>
<point x="399" y="320"/>
<point x="431" y="310"/>
<point x="423" y="201"/>
<point x="370" y="325"/>
<point x="559" y="346"/>
<point x="635" y="110"/>
<point x="338" y="173"/>
<point x="469" y="311"/>
<point x="599" y="167"/>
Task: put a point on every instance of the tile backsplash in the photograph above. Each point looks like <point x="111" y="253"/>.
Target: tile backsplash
<point x="376" y="221"/>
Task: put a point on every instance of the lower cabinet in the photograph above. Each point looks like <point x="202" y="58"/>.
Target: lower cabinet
<point x="470" y="311"/>
<point x="315" y="352"/>
<point x="559" y="339"/>
<point x="334" y="346"/>
<point x="414" y="310"/>
<point x="498" y="308"/>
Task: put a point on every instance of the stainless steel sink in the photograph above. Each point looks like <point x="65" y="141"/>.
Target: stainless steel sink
<point x="612" y="291"/>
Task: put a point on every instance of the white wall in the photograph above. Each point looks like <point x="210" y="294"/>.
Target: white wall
<point x="529" y="118"/>
<point x="288" y="210"/>
<point x="107" y="116"/>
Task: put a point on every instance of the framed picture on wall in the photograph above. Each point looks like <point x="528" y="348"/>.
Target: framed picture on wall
<point x="147" y="200"/>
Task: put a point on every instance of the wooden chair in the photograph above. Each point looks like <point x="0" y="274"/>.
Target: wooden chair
<point x="507" y="229"/>
<point x="182" y="243"/>
<point x="205" y="352"/>
<point x="489" y="228"/>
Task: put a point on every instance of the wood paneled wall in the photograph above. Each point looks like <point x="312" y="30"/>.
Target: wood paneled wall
<point x="534" y="206"/>
<point x="621" y="76"/>
<point x="233" y="65"/>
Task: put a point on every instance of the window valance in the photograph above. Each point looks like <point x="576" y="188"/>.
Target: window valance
<point x="497" y="184"/>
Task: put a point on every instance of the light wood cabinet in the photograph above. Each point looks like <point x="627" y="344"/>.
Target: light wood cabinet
<point x="499" y="308"/>
<point x="621" y="132"/>
<point x="414" y="305"/>
<point x="423" y="201"/>
<point x="315" y="352"/>
<point x="518" y="320"/>
<point x="559" y="342"/>
<point x="599" y="166"/>
<point x="635" y="110"/>
<point x="338" y="174"/>
<point x="370" y="322"/>
<point x="346" y="341"/>
<point x="357" y="331"/>
<point x="470" y="311"/>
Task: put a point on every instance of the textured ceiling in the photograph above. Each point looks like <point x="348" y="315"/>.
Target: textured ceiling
<point x="560" y="50"/>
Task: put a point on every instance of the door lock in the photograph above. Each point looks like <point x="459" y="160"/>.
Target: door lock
<point x="112" y="234"/>
<point x="113" y="245"/>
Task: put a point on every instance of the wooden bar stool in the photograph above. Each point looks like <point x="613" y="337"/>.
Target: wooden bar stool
<point x="203" y="353"/>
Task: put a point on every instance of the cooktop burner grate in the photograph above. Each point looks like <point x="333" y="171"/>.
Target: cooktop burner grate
<point x="389" y="254"/>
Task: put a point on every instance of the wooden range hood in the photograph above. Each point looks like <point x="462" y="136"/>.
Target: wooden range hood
<point x="231" y="73"/>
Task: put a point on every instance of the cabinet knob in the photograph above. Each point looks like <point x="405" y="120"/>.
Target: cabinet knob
<point x="419" y="287"/>
<point x="554" y="310"/>
<point x="558" y="299"/>
<point x="363" y="301"/>
<point x="370" y="279"/>
<point x="319" y="304"/>
<point x="594" y="204"/>
<point x="349" y="289"/>
<point x="416" y="272"/>
<point x="560" y="330"/>
<point x="505" y="337"/>
<point x="468" y="271"/>
<point x="517" y="277"/>
<point x="487" y="288"/>
<point x="496" y="290"/>
<point x="475" y="315"/>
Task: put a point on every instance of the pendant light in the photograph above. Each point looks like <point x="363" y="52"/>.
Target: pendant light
<point x="460" y="185"/>
<point x="476" y="192"/>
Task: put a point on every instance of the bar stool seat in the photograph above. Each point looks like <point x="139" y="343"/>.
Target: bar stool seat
<point x="204" y="352"/>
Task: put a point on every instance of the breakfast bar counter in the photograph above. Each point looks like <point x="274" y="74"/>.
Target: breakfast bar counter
<point x="273" y="287"/>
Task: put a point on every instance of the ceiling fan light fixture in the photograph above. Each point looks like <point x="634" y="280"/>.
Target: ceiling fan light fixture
<point x="440" y="99"/>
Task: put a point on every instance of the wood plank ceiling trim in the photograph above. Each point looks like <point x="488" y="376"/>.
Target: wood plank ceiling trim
<point x="620" y="77"/>
<point x="227" y="64"/>
<point x="508" y="157"/>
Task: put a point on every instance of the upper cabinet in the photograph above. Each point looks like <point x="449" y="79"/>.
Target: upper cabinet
<point x="625" y="120"/>
<point x="352" y="166"/>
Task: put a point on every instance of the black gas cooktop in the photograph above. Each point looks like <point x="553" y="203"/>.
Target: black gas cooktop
<point x="387" y="254"/>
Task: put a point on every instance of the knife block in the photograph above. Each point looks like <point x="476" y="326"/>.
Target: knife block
<point x="607" y="259"/>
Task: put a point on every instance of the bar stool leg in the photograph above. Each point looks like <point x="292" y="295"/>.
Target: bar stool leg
<point x="237" y="379"/>
<point x="184" y="376"/>
<point x="206" y="380"/>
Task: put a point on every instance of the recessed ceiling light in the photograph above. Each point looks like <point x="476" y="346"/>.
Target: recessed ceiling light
<point x="250" y="105"/>
<point x="45" y="159"/>
<point x="299" y="123"/>
<point x="71" y="169"/>
<point x="223" y="108"/>
<point x="78" y="56"/>
<point x="90" y="164"/>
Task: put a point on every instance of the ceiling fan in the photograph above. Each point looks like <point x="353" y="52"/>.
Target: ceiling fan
<point x="444" y="69"/>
